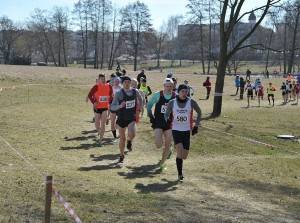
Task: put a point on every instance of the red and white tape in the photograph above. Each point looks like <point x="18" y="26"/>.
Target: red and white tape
<point x="66" y="205"/>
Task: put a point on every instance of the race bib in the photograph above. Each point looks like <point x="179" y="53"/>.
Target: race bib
<point x="130" y="104"/>
<point x="163" y="109"/>
<point x="181" y="118"/>
<point x="103" y="99"/>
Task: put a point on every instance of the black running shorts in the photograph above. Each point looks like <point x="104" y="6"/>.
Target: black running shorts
<point x="182" y="137"/>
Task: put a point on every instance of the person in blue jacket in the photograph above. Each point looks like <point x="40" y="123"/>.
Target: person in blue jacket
<point x="237" y="84"/>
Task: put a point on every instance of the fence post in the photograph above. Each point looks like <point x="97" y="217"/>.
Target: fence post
<point x="48" y="199"/>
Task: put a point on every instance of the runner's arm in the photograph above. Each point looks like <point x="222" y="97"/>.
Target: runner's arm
<point x="115" y="103"/>
<point x="169" y="109"/>
<point x="150" y="92"/>
<point x="139" y="100"/>
<point x="151" y="102"/>
<point x="91" y="94"/>
<point x="196" y="107"/>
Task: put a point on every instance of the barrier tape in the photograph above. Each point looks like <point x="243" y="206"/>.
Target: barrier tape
<point x="242" y="137"/>
<point x="67" y="206"/>
<point x="59" y="197"/>
<point x="20" y="155"/>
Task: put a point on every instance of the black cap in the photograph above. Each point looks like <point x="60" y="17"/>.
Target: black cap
<point x="182" y="86"/>
<point x="126" y="78"/>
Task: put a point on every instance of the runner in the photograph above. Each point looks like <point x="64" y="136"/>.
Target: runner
<point x="297" y="88"/>
<point x="162" y="129"/>
<point x="100" y="96"/>
<point x="270" y="92"/>
<point x="143" y="86"/>
<point x="182" y="108"/>
<point x="129" y="103"/>
<point x="249" y="88"/>
<point x="113" y="114"/>
<point x="284" y="92"/>
<point x="207" y="85"/>
<point x="260" y="92"/>
<point x="134" y="85"/>
<point x="191" y="90"/>
<point x="174" y="79"/>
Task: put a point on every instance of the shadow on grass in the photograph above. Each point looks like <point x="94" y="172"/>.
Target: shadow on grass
<point x="141" y="172"/>
<point x="80" y="138"/>
<point x="104" y="157"/>
<point x="100" y="167"/>
<point x="167" y="186"/>
<point x="85" y="132"/>
<point x="86" y="146"/>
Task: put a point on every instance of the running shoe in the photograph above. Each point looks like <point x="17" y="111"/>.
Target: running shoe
<point x="129" y="145"/>
<point x="99" y="142"/>
<point x="162" y="167"/>
<point x="170" y="153"/>
<point x="115" y="139"/>
<point x="180" y="179"/>
<point x="121" y="159"/>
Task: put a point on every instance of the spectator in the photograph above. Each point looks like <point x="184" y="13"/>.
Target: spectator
<point x="242" y="88"/>
<point x="248" y="73"/>
<point x="237" y="84"/>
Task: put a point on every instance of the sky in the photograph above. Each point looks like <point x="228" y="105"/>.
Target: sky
<point x="160" y="10"/>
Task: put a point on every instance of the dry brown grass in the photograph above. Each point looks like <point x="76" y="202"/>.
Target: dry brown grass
<point x="228" y="179"/>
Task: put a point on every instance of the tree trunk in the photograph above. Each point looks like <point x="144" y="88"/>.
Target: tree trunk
<point x="292" y="55"/>
<point x="217" y="107"/>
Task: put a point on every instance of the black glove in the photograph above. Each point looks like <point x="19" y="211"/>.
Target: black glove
<point x="152" y="120"/>
<point x="195" y="130"/>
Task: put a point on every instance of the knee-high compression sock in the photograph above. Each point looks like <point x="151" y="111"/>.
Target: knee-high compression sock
<point x="179" y="163"/>
<point x="114" y="132"/>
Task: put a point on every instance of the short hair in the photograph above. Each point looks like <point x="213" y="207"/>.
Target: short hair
<point x="101" y="75"/>
<point x="134" y="80"/>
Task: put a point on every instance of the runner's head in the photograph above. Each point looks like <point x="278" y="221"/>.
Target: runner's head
<point x="126" y="81"/>
<point x="117" y="81"/>
<point x="143" y="81"/>
<point x="134" y="83"/>
<point x="182" y="91"/>
<point x="174" y="79"/>
<point x="101" y="79"/>
<point x="168" y="85"/>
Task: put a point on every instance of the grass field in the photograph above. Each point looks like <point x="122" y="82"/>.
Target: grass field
<point x="43" y="115"/>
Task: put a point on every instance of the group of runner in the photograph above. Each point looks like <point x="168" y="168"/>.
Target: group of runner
<point x="124" y="106"/>
<point x="290" y="90"/>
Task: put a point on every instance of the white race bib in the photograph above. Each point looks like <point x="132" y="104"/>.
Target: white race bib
<point x="163" y="109"/>
<point x="103" y="99"/>
<point x="181" y="118"/>
<point x="130" y="104"/>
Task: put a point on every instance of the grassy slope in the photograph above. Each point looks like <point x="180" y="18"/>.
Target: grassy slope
<point x="228" y="179"/>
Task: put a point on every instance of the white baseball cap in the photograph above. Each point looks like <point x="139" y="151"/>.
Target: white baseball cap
<point x="168" y="80"/>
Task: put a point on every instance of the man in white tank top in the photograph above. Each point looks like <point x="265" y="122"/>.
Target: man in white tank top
<point x="182" y="124"/>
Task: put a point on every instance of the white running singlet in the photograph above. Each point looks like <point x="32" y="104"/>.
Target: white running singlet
<point x="182" y="116"/>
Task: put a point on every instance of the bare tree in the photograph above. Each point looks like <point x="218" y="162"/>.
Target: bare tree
<point x="293" y="22"/>
<point x="115" y="36"/>
<point x="9" y="32"/>
<point x="60" y="20"/>
<point x="81" y="16"/>
<point x="136" y="20"/>
<point x="44" y="33"/>
<point x="232" y="11"/>
<point x="172" y="29"/>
